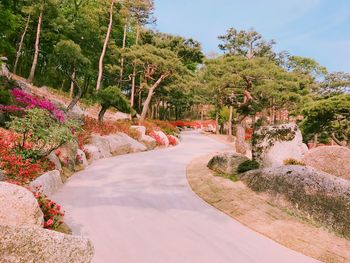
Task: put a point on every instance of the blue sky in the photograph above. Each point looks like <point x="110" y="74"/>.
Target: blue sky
<point x="319" y="29"/>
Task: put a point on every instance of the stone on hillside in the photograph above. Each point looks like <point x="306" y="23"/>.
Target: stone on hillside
<point x="18" y="206"/>
<point x="35" y="244"/>
<point x="67" y="154"/>
<point x="323" y="196"/>
<point x="48" y="183"/>
<point x="331" y="159"/>
<point x="140" y="129"/>
<point x="94" y="152"/>
<point x="177" y="140"/>
<point x="275" y="144"/>
<point x="118" y="145"/>
<point x="226" y="163"/>
<point x="55" y="160"/>
<point x="163" y="137"/>
<point x="135" y="145"/>
<point x="4" y="71"/>
<point x="81" y="158"/>
<point x="2" y="175"/>
<point x="102" y="144"/>
<point x="76" y="113"/>
<point x="150" y="142"/>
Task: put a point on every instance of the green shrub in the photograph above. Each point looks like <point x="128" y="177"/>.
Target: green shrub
<point x="247" y="166"/>
<point x="292" y="161"/>
<point x="40" y="133"/>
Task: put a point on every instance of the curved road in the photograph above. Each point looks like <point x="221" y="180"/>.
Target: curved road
<point x="139" y="208"/>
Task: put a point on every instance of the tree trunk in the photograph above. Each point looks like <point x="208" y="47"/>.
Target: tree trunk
<point x="240" y="139"/>
<point x="71" y="92"/>
<point x="100" y="65"/>
<point x="314" y="144"/>
<point x="229" y="138"/>
<point x="18" y="54"/>
<point x="37" y="41"/>
<point x="122" y="58"/>
<point x="217" y="122"/>
<point x="134" y="69"/>
<point x="101" y="114"/>
<point x="149" y="97"/>
<point x="335" y="139"/>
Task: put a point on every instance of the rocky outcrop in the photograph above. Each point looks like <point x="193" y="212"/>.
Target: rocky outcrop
<point x="48" y="183"/>
<point x="275" y="144"/>
<point x="324" y="197"/>
<point x="112" y="145"/>
<point x="102" y="144"/>
<point x="55" y="160"/>
<point x="331" y="159"/>
<point x="226" y="163"/>
<point x="149" y="142"/>
<point x="140" y="129"/>
<point x="81" y="159"/>
<point x="163" y="137"/>
<point x="67" y="154"/>
<point x="35" y="244"/>
<point x="174" y="138"/>
<point x="18" y="206"/>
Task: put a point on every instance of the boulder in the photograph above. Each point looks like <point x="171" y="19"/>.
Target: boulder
<point x="55" y="160"/>
<point x="4" y="71"/>
<point x="67" y="154"/>
<point x="226" y="163"/>
<point x="48" y="183"/>
<point x="175" y="139"/>
<point x="18" y="206"/>
<point x="102" y="144"/>
<point x="331" y="159"/>
<point x="275" y="144"/>
<point x="81" y="158"/>
<point x="163" y="137"/>
<point x="149" y="142"/>
<point x="118" y="145"/>
<point x="324" y="197"/>
<point x="140" y="129"/>
<point x="93" y="151"/>
<point x="35" y="244"/>
<point x="135" y="146"/>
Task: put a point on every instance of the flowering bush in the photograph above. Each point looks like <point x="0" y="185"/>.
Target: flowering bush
<point x="172" y="140"/>
<point x="43" y="133"/>
<point x="53" y="216"/>
<point x="158" y="139"/>
<point x="30" y="101"/>
<point x="16" y="168"/>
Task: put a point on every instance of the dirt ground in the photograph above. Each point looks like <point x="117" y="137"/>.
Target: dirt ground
<point x="256" y="212"/>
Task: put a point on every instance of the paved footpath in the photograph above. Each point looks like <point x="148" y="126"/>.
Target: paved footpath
<point x="139" y="208"/>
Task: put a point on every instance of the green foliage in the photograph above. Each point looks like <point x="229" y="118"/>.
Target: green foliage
<point x="247" y="166"/>
<point x="41" y="133"/>
<point x="331" y="116"/>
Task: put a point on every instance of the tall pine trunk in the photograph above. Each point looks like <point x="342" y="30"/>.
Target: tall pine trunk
<point x="71" y="92"/>
<point x="229" y="138"/>
<point x="100" y="64"/>
<point x="217" y="122"/>
<point x="37" y="42"/>
<point x="122" y="58"/>
<point x="133" y="80"/>
<point x="18" y="54"/>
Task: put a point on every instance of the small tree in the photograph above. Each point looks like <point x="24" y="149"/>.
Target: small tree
<point x="112" y="96"/>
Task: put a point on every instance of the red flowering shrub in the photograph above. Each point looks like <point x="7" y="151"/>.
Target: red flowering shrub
<point x="16" y="168"/>
<point x="157" y="138"/>
<point x="53" y="216"/>
<point x="172" y="140"/>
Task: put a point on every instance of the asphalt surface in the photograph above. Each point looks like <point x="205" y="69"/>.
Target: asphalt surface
<point x="139" y="208"/>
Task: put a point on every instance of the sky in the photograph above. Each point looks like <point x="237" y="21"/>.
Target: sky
<point x="319" y="29"/>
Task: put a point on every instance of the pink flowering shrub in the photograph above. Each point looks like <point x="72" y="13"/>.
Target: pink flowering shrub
<point x="157" y="138"/>
<point x="30" y="101"/>
<point x="53" y="216"/>
<point x="172" y="140"/>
